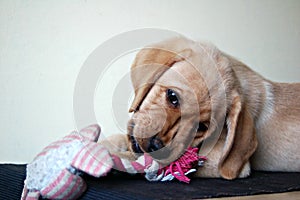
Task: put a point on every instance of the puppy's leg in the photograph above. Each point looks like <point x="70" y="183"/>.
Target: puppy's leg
<point x="211" y="165"/>
<point x="115" y="143"/>
<point x="118" y="145"/>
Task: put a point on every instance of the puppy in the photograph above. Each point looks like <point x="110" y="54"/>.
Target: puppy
<point x="192" y="94"/>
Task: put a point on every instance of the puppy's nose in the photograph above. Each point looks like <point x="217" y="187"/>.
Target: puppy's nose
<point x="155" y="144"/>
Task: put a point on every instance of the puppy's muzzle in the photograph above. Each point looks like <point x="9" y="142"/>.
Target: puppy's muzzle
<point x="143" y="129"/>
<point x="140" y="145"/>
<point x="145" y="144"/>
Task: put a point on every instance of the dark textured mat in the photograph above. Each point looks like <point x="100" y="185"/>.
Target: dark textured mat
<point x="124" y="186"/>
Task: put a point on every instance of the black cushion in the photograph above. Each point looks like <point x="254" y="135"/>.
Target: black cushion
<point x="119" y="185"/>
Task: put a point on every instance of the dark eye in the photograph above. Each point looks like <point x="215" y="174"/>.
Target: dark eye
<point x="172" y="97"/>
<point x="202" y="127"/>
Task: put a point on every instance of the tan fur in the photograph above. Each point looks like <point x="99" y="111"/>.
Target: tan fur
<point x="258" y="119"/>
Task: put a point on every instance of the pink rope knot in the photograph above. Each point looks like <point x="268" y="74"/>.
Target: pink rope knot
<point x="189" y="160"/>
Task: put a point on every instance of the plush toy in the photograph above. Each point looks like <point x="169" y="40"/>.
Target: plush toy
<point x="55" y="172"/>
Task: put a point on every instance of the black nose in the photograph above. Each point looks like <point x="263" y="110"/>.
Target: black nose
<point x="148" y="145"/>
<point x="155" y="144"/>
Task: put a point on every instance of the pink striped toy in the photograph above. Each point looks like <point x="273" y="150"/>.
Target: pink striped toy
<point x="55" y="172"/>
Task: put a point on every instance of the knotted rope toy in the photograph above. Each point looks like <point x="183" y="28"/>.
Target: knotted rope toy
<point x="55" y="173"/>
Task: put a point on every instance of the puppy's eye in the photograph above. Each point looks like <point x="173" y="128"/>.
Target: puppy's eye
<point x="172" y="97"/>
<point x="202" y="127"/>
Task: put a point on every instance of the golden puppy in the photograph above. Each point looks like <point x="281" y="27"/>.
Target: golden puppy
<point x="192" y="94"/>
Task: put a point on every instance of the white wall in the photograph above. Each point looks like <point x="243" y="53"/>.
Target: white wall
<point x="43" y="45"/>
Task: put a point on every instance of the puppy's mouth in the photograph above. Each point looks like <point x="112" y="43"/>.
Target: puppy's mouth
<point x="156" y="145"/>
<point x="147" y="145"/>
<point x="135" y="145"/>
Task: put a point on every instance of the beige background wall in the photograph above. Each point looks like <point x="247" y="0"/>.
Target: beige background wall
<point x="43" y="45"/>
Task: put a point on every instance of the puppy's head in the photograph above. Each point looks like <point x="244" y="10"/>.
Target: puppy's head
<point x="182" y="91"/>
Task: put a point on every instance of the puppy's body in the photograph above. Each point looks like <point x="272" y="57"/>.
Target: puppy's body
<point x="255" y="118"/>
<point x="275" y="108"/>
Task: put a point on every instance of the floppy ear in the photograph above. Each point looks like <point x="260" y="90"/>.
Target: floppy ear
<point x="240" y="141"/>
<point x="149" y="65"/>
